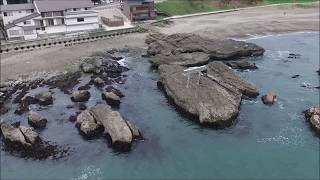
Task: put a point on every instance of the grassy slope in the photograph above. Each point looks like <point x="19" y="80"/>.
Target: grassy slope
<point x="182" y="7"/>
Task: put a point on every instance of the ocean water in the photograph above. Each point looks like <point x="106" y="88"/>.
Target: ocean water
<point x="264" y="143"/>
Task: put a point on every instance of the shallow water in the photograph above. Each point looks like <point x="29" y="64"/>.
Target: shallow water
<point x="265" y="142"/>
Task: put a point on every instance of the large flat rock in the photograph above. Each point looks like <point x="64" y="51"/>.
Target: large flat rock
<point x="175" y="48"/>
<point x="214" y="97"/>
<point x="114" y="125"/>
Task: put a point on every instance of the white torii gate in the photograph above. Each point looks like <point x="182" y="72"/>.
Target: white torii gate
<point x="193" y="70"/>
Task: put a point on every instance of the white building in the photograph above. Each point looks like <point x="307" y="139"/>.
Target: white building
<point x="29" y="21"/>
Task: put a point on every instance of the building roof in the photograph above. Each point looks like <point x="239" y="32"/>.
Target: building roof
<point x="16" y="7"/>
<point x="60" y="5"/>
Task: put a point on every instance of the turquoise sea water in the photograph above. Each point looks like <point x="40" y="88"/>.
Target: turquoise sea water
<point x="264" y="143"/>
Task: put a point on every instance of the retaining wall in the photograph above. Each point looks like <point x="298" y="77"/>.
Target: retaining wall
<point x="18" y="46"/>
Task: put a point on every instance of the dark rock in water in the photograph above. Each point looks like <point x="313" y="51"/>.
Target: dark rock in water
<point x="188" y="43"/>
<point x="65" y="81"/>
<point x="312" y="115"/>
<point x="269" y="98"/>
<point x="115" y="126"/>
<point x="295" y="76"/>
<point x="82" y="106"/>
<point x="88" y="126"/>
<point x="72" y="118"/>
<point x="115" y="91"/>
<point x="3" y="109"/>
<point x="213" y="98"/>
<point x="183" y="59"/>
<point x="318" y="72"/>
<point x="44" y="98"/>
<point x="85" y="87"/>
<point x="111" y="98"/>
<point x="80" y="96"/>
<point x="117" y="58"/>
<point x="242" y="65"/>
<point x="36" y="120"/>
<point x="98" y="82"/>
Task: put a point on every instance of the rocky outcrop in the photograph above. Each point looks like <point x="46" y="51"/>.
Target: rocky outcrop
<point x="88" y="126"/>
<point x="242" y="65"/>
<point x="269" y="98"/>
<point x="44" y="98"/>
<point x="111" y="98"/>
<point x="184" y="59"/>
<point x="115" y="126"/>
<point x="80" y="96"/>
<point x="312" y="115"/>
<point x="90" y="64"/>
<point x="180" y="47"/>
<point x="213" y="98"/>
<point x="36" y="120"/>
<point x="19" y="137"/>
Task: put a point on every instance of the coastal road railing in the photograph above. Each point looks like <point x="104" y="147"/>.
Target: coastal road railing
<point x="27" y="45"/>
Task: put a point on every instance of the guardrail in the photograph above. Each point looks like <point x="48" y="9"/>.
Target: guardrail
<point x="20" y="46"/>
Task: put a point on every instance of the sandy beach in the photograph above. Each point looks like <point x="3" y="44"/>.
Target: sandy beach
<point x="254" y="21"/>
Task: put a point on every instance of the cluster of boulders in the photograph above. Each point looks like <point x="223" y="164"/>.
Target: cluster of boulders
<point x="102" y="118"/>
<point x="20" y="136"/>
<point x="26" y="142"/>
<point x="212" y="93"/>
<point x="312" y="115"/>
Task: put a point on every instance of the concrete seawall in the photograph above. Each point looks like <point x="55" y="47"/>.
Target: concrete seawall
<point x="20" y="46"/>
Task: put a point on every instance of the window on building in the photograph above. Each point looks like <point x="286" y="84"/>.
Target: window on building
<point x="27" y="22"/>
<point x="58" y="13"/>
<point x="43" y="28"/>
<point x="32" y="10"/>
<point x="14" y="32"/>
<point x="50" y="22"/>
<point x="8" y="13"/>
<point x="60" y="21"/>
<point x="80" y="19"/>
<point x="28" y="32"/>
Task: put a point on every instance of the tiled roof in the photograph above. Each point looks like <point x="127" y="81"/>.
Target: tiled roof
<point x="60" y="5"/>
<point x="16" y="7"/>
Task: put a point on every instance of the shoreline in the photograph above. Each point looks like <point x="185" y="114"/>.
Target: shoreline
<point x="235" y="25"/>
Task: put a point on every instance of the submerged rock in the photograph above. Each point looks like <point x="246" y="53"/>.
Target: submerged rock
<point x="115" y="126"/>
<point x="88" y="126"/>
<point x="36" y="120"/>
<point x="213" y="98"/>
<point x="80" y="96"/>
<point x="111" y="98"/>
<point x="312" y="115"/>
<point x="269" y="98"/>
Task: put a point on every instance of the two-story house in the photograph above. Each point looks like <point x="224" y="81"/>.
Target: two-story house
<point x="29" y="21"/>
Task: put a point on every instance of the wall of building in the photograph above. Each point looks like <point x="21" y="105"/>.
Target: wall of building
<point x="15" y="15"/>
